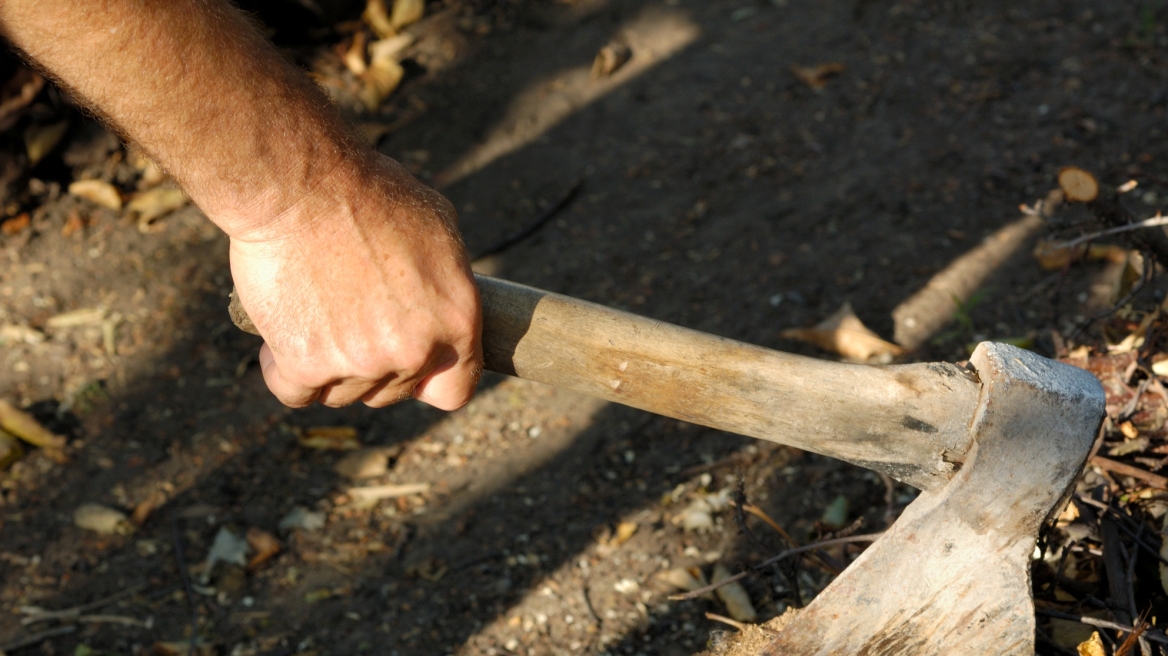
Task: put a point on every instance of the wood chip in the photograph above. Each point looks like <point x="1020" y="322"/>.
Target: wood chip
<point x="845" y="334"/>
<point x="379" y="492"/>
<point x="330" y="438"/>
<point x="11" y="333"/>
<point x="75" y="318"/>
<point x="1078" y="185"/>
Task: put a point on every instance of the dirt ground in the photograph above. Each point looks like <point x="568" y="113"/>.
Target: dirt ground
<point x="719" y="192"/>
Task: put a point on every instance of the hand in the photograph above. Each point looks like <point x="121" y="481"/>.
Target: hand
<point x="362" y="291"/>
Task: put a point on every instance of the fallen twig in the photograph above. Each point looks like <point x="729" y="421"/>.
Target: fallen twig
<point x="693" y="594"/>
<point x="36" y="615"/>
<point x="738" y="625"/>
<point x="726" y="620"/>
<point x="1122" y="469"/>
<point x="1153" y="222"/>
<point x="1155" y="636"/>
<point x="35" y="638"/>
<point x="1152" y="550"/>
<point x="535" y="225"/>
<point x="124" y="620"/>
<point x="188" y="588"/>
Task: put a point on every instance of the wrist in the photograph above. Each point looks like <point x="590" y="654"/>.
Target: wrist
<point x="284" y="200"/>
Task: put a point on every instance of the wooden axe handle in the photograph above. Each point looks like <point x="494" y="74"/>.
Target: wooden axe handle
<point x="909" y="421"/>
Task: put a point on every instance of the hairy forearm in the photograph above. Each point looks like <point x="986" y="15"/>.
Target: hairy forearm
<point x="201" y="91"/>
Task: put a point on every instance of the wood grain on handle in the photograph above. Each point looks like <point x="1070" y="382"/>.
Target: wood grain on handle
<point x="909" y="421"/>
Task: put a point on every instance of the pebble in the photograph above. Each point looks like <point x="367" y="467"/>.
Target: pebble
<point x="302" y="518"/>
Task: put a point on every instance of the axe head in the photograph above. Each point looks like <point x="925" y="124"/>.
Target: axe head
<point x="952" y="575"/>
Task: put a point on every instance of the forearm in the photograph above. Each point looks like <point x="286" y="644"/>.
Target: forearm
<point x="200" y="90"/>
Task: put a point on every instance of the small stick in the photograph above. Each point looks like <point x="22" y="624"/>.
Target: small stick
<point x="738" y="625"/>
<point x="1154" y="636"/>
<point x="726" y="620"/>
<point x="35" y="638"/>
<point x="1103" y="202"/>
<point x="124" y="620"/>
<point x="186" y="580"/>
<point x="1153" y="222"/>
<point x="1107" y="464"/>
<point x="535" y="225"/>
<point x="74" y="612"/>
<point x="694" y="594"/>
<point x="761" y="514"/>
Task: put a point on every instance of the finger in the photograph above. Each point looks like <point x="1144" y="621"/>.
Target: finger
<point x="451" y="386"/>
<point x="387" y="393"/>
<point x="346" y="392"/>
<point x="289" y="393"/>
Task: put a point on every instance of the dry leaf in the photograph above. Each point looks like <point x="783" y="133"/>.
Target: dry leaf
<point x="624" y="531"/>
<point x="1092" y="646"/>
<point x="610" y="58"/>
<point x="24" y="426"/>
<point x="406" y="12"/>
<point x="381" y="78"/>
<point x="843" y="333"/>
<point x="734" y="597"/>
<point x="354" y="56"/>
<point x="390" y="47"/>
<point x="330" y="438"/>
<point x="96" y="191"/>
<point x="150" y="172"/>
<point x="15" y="224"/>
<point x="1052" y="256"/>
<point x="816" y="76"/>
<point x="16" y="94"/>
<point x="154" y="204"/>
<point x="376" y="16"/>
<point x="264" y="544"/>
<point x="40" y="140"/>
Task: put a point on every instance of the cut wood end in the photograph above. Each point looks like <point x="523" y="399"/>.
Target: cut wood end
<point x="1078" y="185"/>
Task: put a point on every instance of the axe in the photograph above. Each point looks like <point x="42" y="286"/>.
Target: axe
<point x="995" y="448"/>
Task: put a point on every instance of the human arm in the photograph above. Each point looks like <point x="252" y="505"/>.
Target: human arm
<point x="351" y="269"/>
